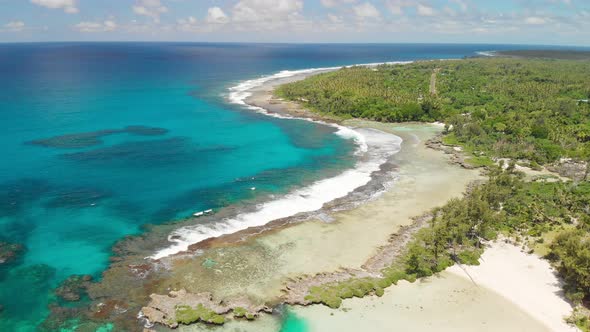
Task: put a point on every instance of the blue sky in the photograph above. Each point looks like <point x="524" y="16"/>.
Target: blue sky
<point x="557" y="22"/>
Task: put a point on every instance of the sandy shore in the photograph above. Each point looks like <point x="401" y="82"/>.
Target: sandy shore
<point x="444" y="303"/>
<point x="526" y="280"/>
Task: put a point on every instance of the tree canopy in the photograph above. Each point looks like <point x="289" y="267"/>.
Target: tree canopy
<point x="515" y="108"/>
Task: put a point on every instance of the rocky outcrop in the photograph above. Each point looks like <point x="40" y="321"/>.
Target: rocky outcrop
<point x="455" y="152"/>
<point x="573" y="169"/>
<point x="396" y="245"/>
<point x="163" y="309"/>
<point x="297" y="289"/>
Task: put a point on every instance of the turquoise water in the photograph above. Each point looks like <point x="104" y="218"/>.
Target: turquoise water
<point x="294" y="323"/>
<point x="76" y="178"/>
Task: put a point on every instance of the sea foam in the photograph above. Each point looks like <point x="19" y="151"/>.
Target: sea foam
<point x="374" y="147"/>
<point x="487" y="53"/>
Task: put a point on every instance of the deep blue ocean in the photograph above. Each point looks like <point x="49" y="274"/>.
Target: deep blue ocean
<point x="98" y="139"/>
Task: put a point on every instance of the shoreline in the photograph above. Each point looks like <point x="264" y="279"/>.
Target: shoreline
<point x="505" y="269"/>
<point x="424" y="172"/>
<point x="304" y="254"/>
<point x="349" y="188"/>
<point x="521" y="277"/>
<point x="493" y="265"/>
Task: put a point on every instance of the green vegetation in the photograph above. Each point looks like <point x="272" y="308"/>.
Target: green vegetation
<point x="534" y="111"/>
<point x="514" y="108"/>
<point x="548" y="54"/>
<point x="240" y="312"/>
<point x="332" y="294"/>
<point x="188" y="315"/>
<point x="480" y="161"/>
<point x="581" y="319"/>
<point x="572" y="250"/>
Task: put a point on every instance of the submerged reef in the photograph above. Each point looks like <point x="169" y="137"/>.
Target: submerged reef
<point x="73" y="288"/>
<point x="9" y="252"/>
<point x="83" y="140"/>
<point x="79" y="197"/>
<point x="150" y="153"/>
<point x="34" y="276"/>
<point x="15" y="195"/>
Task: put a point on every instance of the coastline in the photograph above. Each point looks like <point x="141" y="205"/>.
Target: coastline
<point x="203" y="153"/>
<point x="505" y="269"/>
<point x="278" y="262"/>
<point x="426" y="179"/>
<point x="364" y="180"/>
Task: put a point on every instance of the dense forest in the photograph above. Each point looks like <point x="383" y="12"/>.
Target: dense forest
<point x="522" y="109"/>
<point x="516" y="108"/>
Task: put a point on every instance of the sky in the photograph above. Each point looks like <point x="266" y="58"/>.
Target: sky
<point x="546" y="22"/>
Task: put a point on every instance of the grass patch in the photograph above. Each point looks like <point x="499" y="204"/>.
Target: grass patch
<point x="240" y="312"/>
<point x="542" y="245"/>
<point x="332" y="294"/>
<point x="451" y="139"/>
<point x="481" y="161"/>
<point x="188" y="315"/>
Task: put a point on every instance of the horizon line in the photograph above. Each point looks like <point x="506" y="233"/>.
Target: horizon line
<point x="280" y="43"/>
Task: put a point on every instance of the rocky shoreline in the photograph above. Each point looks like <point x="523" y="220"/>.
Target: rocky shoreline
<point x="162" y="309"/>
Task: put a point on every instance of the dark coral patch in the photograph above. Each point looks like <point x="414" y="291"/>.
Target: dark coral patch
<point x="77" y="197"/>
<point x="73" y="288"/>
<point x="9" y="252"/>
<point x="16" y="194"/>
<point x="83" y="140"/>
<point x="149" y="153"/>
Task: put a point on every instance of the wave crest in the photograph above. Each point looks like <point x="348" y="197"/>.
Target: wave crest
<point x="374" y="148"/>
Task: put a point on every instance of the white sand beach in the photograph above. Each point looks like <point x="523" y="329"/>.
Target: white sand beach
<point x="524" y="279"/>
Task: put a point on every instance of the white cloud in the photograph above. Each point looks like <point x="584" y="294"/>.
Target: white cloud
<point x="461" y="4"/>
<point x="150" y="8"/>
<point x="335" y="19"/>
<point x="110" y="25"/>
<point x="187" y="24"/>
<point x="335" y="3"/>
<point x="366" y="10"/>
<point x="396" y="7"/>
<point x="88" y="26"/>
<point x="535" y="20"/>
<point x="269" y="10"/>
<point x="15" y="26"/>
<point x="69" y="6"/>
<point x="191" y="20"/>
<point x="424" y="10"/>
<point x="216" y="16"/>
<point x="268" y="14"/>
<point x="215" y="19"/>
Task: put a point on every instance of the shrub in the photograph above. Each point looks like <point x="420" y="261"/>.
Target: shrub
<point x="188" y="315"/>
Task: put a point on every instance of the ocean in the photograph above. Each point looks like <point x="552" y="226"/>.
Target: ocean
<point x="100" y="139"/>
